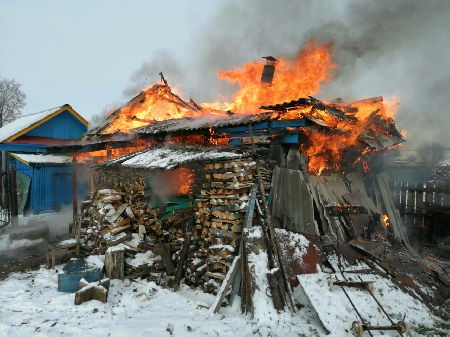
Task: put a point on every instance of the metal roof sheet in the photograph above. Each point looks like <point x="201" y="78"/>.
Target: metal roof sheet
<point x="201" y="122"/>
<point x="28" y="158"/>
<point x="167" y="158"/>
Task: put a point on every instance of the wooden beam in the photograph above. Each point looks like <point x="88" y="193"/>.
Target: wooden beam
<point x="247" y="224"/>
<point x="165" y="258"/>
<point x="225" y="286"/>
<point x="182" y="259"/>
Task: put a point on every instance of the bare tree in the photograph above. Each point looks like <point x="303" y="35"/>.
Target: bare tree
<point x="12" y="100"/>
<point x="431" y="154"/>
<point x="97" y="119"/>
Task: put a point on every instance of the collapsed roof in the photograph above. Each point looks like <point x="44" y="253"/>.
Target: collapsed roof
<point x="375" y="130"/>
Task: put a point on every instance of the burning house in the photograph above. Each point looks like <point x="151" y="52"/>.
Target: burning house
<point x="225" y="196"/>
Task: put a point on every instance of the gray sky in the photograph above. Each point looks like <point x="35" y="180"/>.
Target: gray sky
<point x="84" y="52"/>
<point x="92" y="54"/>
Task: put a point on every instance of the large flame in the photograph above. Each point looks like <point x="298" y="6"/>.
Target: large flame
<point x="326" y="148"/>
<point x="293" y="79"/>
<point x="300" y="77"/>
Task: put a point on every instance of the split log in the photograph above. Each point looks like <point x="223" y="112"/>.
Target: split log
<point x="114" y="262"/>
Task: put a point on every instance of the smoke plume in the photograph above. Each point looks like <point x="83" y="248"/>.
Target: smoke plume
<point x="161" y="61"/>
<point x="383" y="47"/>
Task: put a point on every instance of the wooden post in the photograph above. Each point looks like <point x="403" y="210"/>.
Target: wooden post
<point x="285" y="284"/>
<point x="74" y="189"/>
<point x="13" y="196"/>
<point x="3" y="178"/>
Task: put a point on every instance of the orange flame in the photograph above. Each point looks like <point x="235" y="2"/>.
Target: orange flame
<point x="325" y="150"/>
<point x="385" y="220"/>
<point x="293" y="79"/>
<point x="300" y="77"/>
<point x="180" y="180"/>
<point x="102" y="155"/>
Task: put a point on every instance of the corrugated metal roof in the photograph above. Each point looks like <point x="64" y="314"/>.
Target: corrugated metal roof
<point x="168" y="159"/>
<point x="202" y="122"/>
<point x="28" y="159"/>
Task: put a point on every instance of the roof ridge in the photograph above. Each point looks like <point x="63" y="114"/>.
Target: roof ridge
<point x="35" y="113"/>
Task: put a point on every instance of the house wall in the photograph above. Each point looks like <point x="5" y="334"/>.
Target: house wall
<point x="51" y="186"/>
<point x="63" y="126"/>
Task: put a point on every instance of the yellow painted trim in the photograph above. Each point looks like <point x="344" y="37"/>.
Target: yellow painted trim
<point x="31" y="127"/>
<point x="78" y="116"/>
<point x="19" y="159"/>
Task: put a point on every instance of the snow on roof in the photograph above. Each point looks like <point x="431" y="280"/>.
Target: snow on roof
<point x="24" y="122"/>
<point x="16" y="128"/>
<point x="41" y="158"/>
<point x="167" y="159"/>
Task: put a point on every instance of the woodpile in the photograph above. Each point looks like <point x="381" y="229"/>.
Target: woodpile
<point x="124" y="208"/>
<point x="220" y="212"/>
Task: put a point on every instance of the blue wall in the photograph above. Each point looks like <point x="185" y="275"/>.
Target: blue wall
<point x="51" y="186"/>
<point x="63" y="126"/>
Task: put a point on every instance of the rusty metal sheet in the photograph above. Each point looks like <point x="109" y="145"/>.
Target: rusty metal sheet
<point x="301" y="253"/>
<point x="345" y="258"/>
<point x="375" y="249"/>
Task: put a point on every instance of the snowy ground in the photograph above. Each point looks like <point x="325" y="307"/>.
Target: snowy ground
<point x="25" y="254"/>
<point x="31" y="304"/>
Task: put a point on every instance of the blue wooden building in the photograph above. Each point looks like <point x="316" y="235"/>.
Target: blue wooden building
<point x="44" y="181"/>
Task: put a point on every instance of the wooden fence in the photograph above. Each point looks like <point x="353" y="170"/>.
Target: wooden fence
<point x="424" y="209"/>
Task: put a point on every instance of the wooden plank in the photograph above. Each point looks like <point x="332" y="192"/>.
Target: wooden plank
<point x="251" y="207"/>
<point x="389" y="207"/>
<point x="229" y="279"/>
<point x="182" y="259"/>
<point x="247" y="222"/>
<point x="256" y="126"/>
<point x="271" y="231"/>
<point x="165" y="258"/>
<point x="117" y="213"/>
<point x="287" y="123"/>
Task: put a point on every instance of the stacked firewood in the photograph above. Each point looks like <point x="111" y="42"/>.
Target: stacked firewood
<point x="111" y="216"/>
<point x="220" y="213"/>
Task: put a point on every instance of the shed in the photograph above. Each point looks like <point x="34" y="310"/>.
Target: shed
<point x="48" y="178"/>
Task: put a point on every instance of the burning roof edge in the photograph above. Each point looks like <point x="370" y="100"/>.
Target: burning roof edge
<point x="166" y="158"/>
